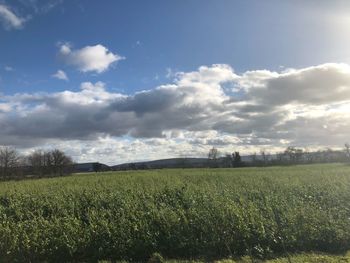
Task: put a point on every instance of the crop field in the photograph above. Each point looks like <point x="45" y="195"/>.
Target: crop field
<point x="182" y="214"/>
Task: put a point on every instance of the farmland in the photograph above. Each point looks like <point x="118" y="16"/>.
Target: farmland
<point x="201" y="214"/>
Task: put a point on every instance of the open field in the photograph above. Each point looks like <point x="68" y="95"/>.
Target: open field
<point x="204" y="214"/>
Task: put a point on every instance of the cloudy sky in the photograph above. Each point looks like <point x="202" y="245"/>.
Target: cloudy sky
<point x="118" y="81"/>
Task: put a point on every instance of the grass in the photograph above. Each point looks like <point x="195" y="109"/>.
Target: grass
<point x="301" y="258"/>
<point x="208" y="214"/>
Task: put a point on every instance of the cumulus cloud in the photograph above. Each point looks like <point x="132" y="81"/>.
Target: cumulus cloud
<point x="313" y="85"/>
<point x="304" y="107"/>
<point x="9" y="19"/>
<point x="90" y="58"/>
<point x="60" y="74"/>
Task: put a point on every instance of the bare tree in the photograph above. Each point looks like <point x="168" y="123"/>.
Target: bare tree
<point x="9" y="162"/>
<point x="228" y="160"/>
<point x="212" y="157"/>
<point x="347" y="150"/>
<point x="60" y="162"/>
<point x="53" y="162"/>
<point x="213" y="154"/>
<point x="237" y="159"/>
<point x="264" y="156"/>
<point x="295" y="154"/>
<point x="280" y="157"/>
<point x="254" y="158"/>
<point x="48" y="163"/>
<point x="309" y="157"/>
<point x="37" y="162"/>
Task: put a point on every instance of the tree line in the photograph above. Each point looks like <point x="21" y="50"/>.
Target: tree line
<point x="291" y="155"/>
<point x="42" y="163"/>
<point x="37" y="164"/>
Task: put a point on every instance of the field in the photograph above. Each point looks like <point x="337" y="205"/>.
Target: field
<point x="199" y="214"/>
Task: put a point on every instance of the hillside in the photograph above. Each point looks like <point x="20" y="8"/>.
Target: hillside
<point x="164" y="163"/>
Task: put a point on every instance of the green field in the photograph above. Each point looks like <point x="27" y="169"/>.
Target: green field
<point x="199" y="214"/>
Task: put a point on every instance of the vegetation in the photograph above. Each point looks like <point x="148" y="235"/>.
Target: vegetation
<point x="300" y="258"/>
<point x="38" y="163"/>
<point x="181" y="214"/>
<point x="9" y="162"/>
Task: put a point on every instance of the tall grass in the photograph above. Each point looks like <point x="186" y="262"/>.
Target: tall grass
<point x="190" y="213"/>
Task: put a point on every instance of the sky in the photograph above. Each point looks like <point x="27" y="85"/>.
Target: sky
<point x="121" y="81"/>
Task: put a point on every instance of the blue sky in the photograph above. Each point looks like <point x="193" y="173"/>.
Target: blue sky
<point x="133" y="80"/>
<point x="158" y="35"/>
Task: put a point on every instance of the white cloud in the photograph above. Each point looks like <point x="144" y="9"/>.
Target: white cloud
<point x="60" y="74"/>
<point x="8" y="68"/>
<point x="90" y="58"/>
<point x="170" y="73"/>
<point x="313" y="85"/>
<point x="9" y="19"/>
<point x="114" y="150"/>
<point x="194" y="112"/>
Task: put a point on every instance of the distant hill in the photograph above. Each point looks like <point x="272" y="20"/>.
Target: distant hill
<point x="89" y="167"/>
<point x="159" y="164"/>
<point x="247" y="160"/>
<point x="164" y="163"/>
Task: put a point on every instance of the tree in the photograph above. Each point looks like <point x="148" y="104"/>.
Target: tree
<point x="299" y="153"/>
<point x="254" y="158"/>
<point x="48" y="163"/>
<point x="37" y="162"/>
<point x="347" y="150"/>
<point x="60" y="162"/>
<point x="237" y="159"/>
<point x="309" y="157"/>
<point x="96" y="167"/>
<point x="264" y="156"/>
<point x="280" y="157"/>
<point x="213" y="154"/>
<point x="53" y="162"/>
<point x="9" y="162"/>
<point x="294" y="154"/>
<point x="228" y="160"/>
